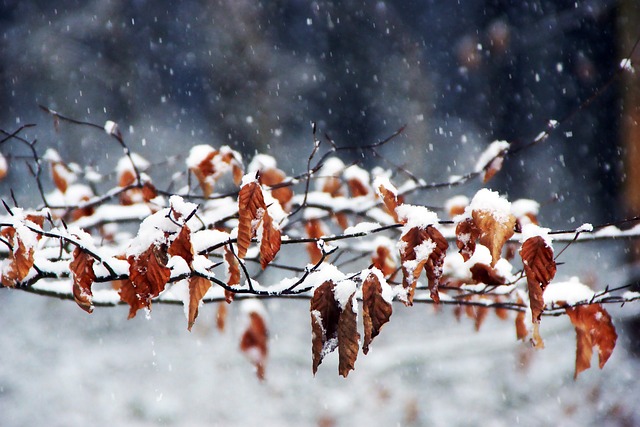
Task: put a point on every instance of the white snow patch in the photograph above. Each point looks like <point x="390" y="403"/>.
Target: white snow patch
<point x="488" y="201"/>
<point x="571" y="292"/>
<point x="343" y="292"/>
<point x="416" y="216"/>
<point x="495" y="149"/>
<point x="362" y="227"/>
<point x="533" y="230"/>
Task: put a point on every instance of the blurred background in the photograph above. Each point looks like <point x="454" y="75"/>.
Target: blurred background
<point x="253" y="75"/>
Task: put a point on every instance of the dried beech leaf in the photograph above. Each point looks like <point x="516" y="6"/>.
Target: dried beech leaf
<point x="376" y="311"/>
<point x="83" y="277"/>
<point x="467" y="232"/>
<point x="342" y="219"/>
<point x="325" y="313"/>
<point x="593" y="328"/>
<point x="540" y="269"/>
<point x="422" y="248"/>
<point x="127" y="292"/>
<point x="271" y="177"/>
<point x="254" y="343"/>
<point x="198" y="287"/>
<point x="149" y="191"/>
<point x="203" y="171"/>
<point x="483" y="273"/>
<point x="60" y="174"/>
<point x="315" y="230"/>
<point x="383" y="261"/>
<point x="221" y="316"/>
<point x="237" y="172"/>
<point x="493" y="168"/>
<point x="357" y="188"/>
<point x="333" y="186"/>
<point x="493" y="232"/>
<point x="480" y="314"/>
<point x="391" y="201"/>
<point x="20" y="259"/>
<point x="251" y="208"/>
<point x="181" y="245"/>
<point x="521" y="326"/>
<point x="348" y="338"/>
<point x="149" y="273"/>
<point x="233" y="273"/>
<point x="270" y="243"/>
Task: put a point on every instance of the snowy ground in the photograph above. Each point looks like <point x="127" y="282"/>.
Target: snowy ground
<point x="61" y="367"/>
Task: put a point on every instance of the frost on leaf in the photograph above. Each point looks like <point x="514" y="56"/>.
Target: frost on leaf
<point x="376" y="310"/>
<point x="251" y="208"/>
<point x="422" y="248"/>
<point x="348" y="338"/>
<point x="325" y="314"/>
<point x="198" y="287"/>
<point x="149" y="275"/>
<point x="540" y="268"/>
<point x="466" y="235"/>
<point x="593" y="328"/>
<point x="254" y="341"/>
<point x="83" y="277"/>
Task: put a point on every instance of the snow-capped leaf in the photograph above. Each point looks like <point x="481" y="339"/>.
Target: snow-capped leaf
<point x="494" y="232"/>
<point x="325" y="314"/>
<point x="376" y="311"/>
<point x="466" y="235"/>
<point x="383" y="261"/>
<point x="390" y="199"/>
<point x="83" y="277"/>
<point x="4" y="167"/>
<point x="593" y="328"/>
<point x="540" y="268"/>
<point x="20" y="259"/>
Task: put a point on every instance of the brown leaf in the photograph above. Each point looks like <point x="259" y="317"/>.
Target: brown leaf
<point x="251" y="208"/>
<point x="333" y="186"/>
<point x="383" y="261"/>
<point x="348" y="338"/>
<point x="20" y="259"/>
<point x="493" y="168"/>
<point x="149" y="191"/>
<point x="254" y="343"/>
<point x="270" y="243"/>
<point x="203" y="171"/>
<point x="593" y="328"/>
<point x="271" y="177"/>
<point x="4" y="167"/>
<point x="59" y="173"/>
<point x="521" y="326"/>
<point x="127" y="292"/>
<point x="221" y="316"/>
<point x="149" y="273"/>
<point x="391" y="201"/>
<point x="376" y="311"/>
<point x="483" y="273"/>
<point x="412" y="263"/>
<point x="315" y="230"/>
<point x="493" y="232"/>
<point x="325" y="313"/>
<point x="198" y="287"/>
<point x="467" y="232"/>
<point x="540" y="269"/>
<point x="233" y="273"/>
<point x="181" y="245"/>
<point x="357" y="188"/>
<point x="83" y="277"/>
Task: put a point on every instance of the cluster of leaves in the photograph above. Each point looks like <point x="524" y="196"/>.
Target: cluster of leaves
<point x="77" y="247"/>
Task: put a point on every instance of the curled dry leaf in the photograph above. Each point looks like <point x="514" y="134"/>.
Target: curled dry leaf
<point x="251" y="208"/>
<point x="376" y="311"/>
<point x="181" y="245"/>
<point x="198" y="287"/>
<point x="494" y="232"/>
<point x="270" y="243"/>
<point x="467" y="232"/>
<point x="149" y="274"/>
<point x="391" y="201"/>
<point x="254" y="343"/>
<point x="315" y="230"/>
<point x="348" y="338"/>
<point x="233" y="273"/>
<point x="272" y="177"/>
<point x="483" y="273"/>
<point x="540" y="268"/>
<point x="357" y="188"/>
<point x="593" y="328"/>
<point x="128" y="294"/>
<point x="20" y="259"/>
<point x="83" y="277"/>
<point x="325" y="314"/>
<point x="422" y="248"/>
<point x="383" y="261"/>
